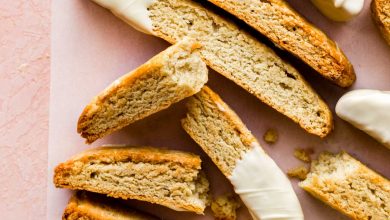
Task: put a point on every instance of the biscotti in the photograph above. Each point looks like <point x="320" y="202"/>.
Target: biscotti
<point x="90" y="206"/>
<point x="172" y="75"/>
<point x="381" y="14"/>
<point x="169" y="178"/>
<point x="286" y="28"/>
<point x="236" y="152"/>
<point x="349" y="186"/>
<point x="235" y="54"/>
<point x="224" y="207"/>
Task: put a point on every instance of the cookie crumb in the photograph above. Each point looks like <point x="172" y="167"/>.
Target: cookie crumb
<point x="224" y="207"/>
<point x="303" y="154"/>
<point x="298" y="172"/>
<point x="271" y="136"/>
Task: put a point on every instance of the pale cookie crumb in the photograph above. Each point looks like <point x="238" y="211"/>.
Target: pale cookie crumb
<point x="299" y="172"/>
<point x="303" y="154"/>
<point x="271" y="136"/>
<point x="224" y="207"/>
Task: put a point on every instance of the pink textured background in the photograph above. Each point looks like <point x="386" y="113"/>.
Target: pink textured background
<point x="24" y="97"/>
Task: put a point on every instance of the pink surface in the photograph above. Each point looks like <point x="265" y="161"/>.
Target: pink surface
<point x="24" y="108"/>
<point x="91" y="48"/>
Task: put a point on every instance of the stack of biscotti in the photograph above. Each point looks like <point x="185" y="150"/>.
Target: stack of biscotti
<point x="90" y="206"/>
<point x="172" y="75"/>
<point x="236" y="152"/>
<point x="169" y="178"/>
<point x="288" y="29"/>
<point x="381" y="15"/>
<point x="347" y="185"/>
<point x="240" y="57"/>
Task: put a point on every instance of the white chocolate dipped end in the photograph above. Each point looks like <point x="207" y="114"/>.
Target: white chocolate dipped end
<point x="369" y="111"/>
<point x="133" y="12"/>
<point x="264" y="188"/>
<point x="339" y="10"/>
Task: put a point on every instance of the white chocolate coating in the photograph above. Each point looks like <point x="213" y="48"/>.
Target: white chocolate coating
<point x="264" y="188"/>
<point x="339" y="10"/>
<point x="133" y="12"/>
<point x="368" y="110"/>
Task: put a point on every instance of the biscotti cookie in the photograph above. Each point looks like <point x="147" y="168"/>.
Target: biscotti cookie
<point x="381" y="14"/>
<point x="172" y="75"/>
<point x="236" y="152"/>
<point x="234" y="53"/>
<point x="91" y="206"/>
<point x="169" y="178"/>
<point x="349" y="186"/>
<point x="285" y="27"/>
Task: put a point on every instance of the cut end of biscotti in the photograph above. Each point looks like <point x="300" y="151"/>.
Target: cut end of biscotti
<point x="347" y="76"/>
<point x="347" y="185"/>
<point x="320" y="121"/>
<point x="333" y="166"/>
<point x="86" y="205"/>
<point x="169" y="178"/>
<point x="172" y="75"/>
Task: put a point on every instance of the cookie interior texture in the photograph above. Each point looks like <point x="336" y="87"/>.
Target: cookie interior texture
<point x="381" y="15"/>
<point x="167" y="78"/>
<point x="217" y="129"/>
<point x="349" y="186"/>
<point x="165" y="177"/>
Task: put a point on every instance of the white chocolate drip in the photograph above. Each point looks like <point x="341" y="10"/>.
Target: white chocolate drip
<point x="133" y="12"/>
<point x="339" y="10"/>
<point x="368" y="110"/>
<point x="264" y="188"/>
